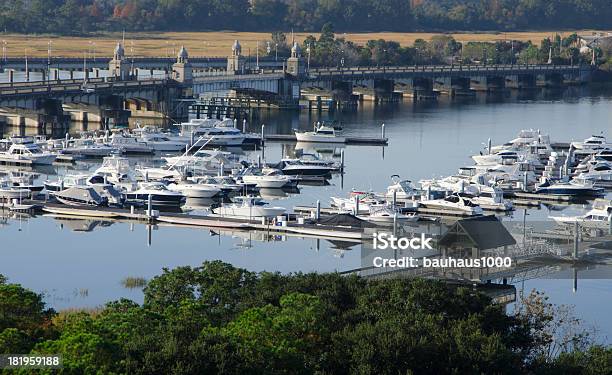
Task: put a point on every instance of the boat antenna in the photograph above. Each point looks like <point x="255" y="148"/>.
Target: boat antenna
<point x="189" y="149"/>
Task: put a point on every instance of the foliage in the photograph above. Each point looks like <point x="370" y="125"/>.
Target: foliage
<point x="220" y="319"/>
<point x="84" y="16"/>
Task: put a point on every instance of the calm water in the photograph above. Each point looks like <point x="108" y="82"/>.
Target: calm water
<point x="82" y="263"/>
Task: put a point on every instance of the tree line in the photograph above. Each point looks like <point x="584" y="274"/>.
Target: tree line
<point x="85" y="16"/>
<point x="218" y="319"/>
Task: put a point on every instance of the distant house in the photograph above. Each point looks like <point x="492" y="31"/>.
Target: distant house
<point x="596" y="39"/>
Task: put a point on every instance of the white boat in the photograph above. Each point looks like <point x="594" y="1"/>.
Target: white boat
<point x="571" y="188"/>
<point x="595" y="170"/>
<point x="272" y="179"/>
<point x="159" y="193"/>
<point x="117" y="171"/>
<point x="320" y="134"/>
<point x="161" y="142"/>
<point x="98" y="182"/>
<point x="129" y="145"/>
<point x="24" y="148"/>
<point x="195" y="190"/>
<point x="158" y="174"/>
<point x="385" y="214"/>
<point x="453" y="202"/>
<point x="9" y="192"/>
<point x="214" y="133"/>
<point x="599" y="216"/>
<point x="225" y="183"/>
<point x="248" y="208"/>
<point x="592" y="143"/>
<point x="87" y="147"/>
<point x="205" y="161"/>
<point x="364" y="199"/>
<point x="525" y="137"/>
<point x="297" y="167"/>
<point x="403" y="189"/>
<point x="496" y="158"/>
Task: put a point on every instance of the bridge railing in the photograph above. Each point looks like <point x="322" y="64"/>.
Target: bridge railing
<point x="445" y="68"/>
<point x="21" y="88"/>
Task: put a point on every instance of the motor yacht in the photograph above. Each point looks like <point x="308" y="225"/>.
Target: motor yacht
<point x="364" y="199"/>
<point x="403" y="189"/>
<point x="117" y="171"/>
<point x="129" y="145"/>
<point x="297" y="167"/>
<point x="453" y="202"/>
<point x="571" y="188"/>
<point x="225" y="183"/>
<point x="96" y="181"/>
<point x="599" y="216"/>
<point x="161" y="142"/>
<point x="80" y="195"/>
<point x="8" y="191"/>
<point x="271" y="179"/>
<point x="525" y="137"/>
<point x="87" y="147"/>
<point x="193" y="190"/>
<point x="500" y="157"/>
<point x="24" y="148"/>
<point x="248" y="208"/>
<point x="320" y="134"/>
<point x="592" y="143"/>
<point x="215" y="133"/>
<point x="385" y="214"/>
<point x="159" y="193"/>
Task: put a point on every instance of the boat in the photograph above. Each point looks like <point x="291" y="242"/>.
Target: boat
<point x="362" y="198"/>
<point x="248" y="208"/>
<point x="80" y="195"/>
<point x="193" y="190"/>
<point x="271" y="179"/>
<point x="403" y="189"/>
<point x="599" y="216"/>
<point x="499" y="157"/>
<point x="96" y="181"/>
<point x="215" y="133"/>
<point x="158" y="174"/>
<point x="224" y="183"/>
<point x="453" y="202"/>
<point x="159" y="193"/>
<point x="297" y="167"/>
<point x="160" y="142"/>
<point x="24" y="148"/>
<point x="592" y="143"/>
<point x="205" y="162"/>
<point x="385" y="214"/>
<point x="129" y="145"/>
<point x="87" y="147"/>
<point x="570" y="188"/>
<point x="320" y="134"/>
<point x="117" y="171"/>
<point x="524" y="137"/>
<point x="9" y="192"/>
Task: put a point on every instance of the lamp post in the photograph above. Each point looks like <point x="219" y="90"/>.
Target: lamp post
<point x="276" y="51"/>
<point x="48" y="60"/>
<point x="308" y="61"/>
<point x="257" y="56"/>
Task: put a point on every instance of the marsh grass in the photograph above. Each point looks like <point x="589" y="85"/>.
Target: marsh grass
<point x="134" y="282"/>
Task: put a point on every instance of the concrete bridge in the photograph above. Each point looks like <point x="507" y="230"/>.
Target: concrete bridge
<point x="114" y="92"/>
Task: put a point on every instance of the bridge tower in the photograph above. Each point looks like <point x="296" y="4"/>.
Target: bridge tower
<point x="118" y="66"/>
<point x="293" y="63"/>
<point x="235" y="62"/>
<point x="182" y="70"/>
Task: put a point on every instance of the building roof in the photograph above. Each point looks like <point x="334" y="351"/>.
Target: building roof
<point x="481" y="232"/>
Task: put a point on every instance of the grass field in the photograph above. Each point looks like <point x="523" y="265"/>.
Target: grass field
<point x="211" y="43"/>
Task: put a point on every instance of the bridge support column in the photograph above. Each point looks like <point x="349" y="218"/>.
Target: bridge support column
<point x="521" y="81"/>
<point x="488" y="83"/>
<point x="422" y="89"/>
<point x="11" y="75"/>
<point x="453" y="86"/>
<point x="551" y="80"/>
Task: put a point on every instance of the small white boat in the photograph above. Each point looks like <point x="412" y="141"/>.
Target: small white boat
<point x="365" y="199"/>
<point x="496" y="158"/>
<point x="248" y="208"/>
<point x="195" y="190"/>
<point x="385" y="214"/>
<point x="160" y="142"/>
<point x="87" y="147"/>
<point x="320" y="134"/>
<point x="24" y="148"/>
<point x="403" y="189"/>
<point x="593" y="143"/>
<point x="9" y="192"/>
<point x="599" y="216"/>
<point x="129" y="145"/>
<point x="272" y="179"/>
<point x="453" y="202"/>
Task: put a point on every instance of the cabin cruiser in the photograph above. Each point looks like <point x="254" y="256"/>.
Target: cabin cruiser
<point x="385" y="214"/>
<point x="224" y="183"/>
<point x="95" y="181"/>
<point x="80" y="195"/>
<point x="593" y="143"/>
<point x="159" y="193"/>
<point x="215" y="133"/>
<point x="496" y="158"/>
<point x="22" y="180"/>
<point x="248" y="208"/>
<point x="598" y="217"/>
<point x="595" y="171"/>
<point x="271" y="179"/>
<point x="297" y="167"/>
<point x="205" y="161"/>
<point x="571" y="188"/>
<point x="320" y="134"/>
<point x="403" y="189"/>
<point x="158" y="174"/>
<point x="8" y="191"/>
<point x="491" y="199"/>
<point x="24" y="148"/>
<point x="117" y="171"/>
<point x="454" y="202"/>
<point x="525" y="137"/>
<point x="193" y="190"/>
<point x="129" y="145"/>
<point x="357" y="198"/>
<point x="161" y="142"/>
<point x="87" y="147"/>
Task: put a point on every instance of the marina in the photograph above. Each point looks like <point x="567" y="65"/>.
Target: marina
<point x="430" y="147"/>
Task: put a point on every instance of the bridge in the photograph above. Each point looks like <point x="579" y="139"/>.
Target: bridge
<point x="116" y="92"/>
